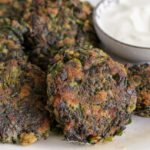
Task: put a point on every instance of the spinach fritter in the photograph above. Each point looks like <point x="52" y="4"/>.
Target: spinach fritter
<point x="139" y="76"/>
<point x="23" y="119"/>
<point x="89" y="95"/>
<point x="58" y="24"/>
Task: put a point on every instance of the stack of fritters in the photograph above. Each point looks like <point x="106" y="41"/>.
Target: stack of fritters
<point x="63" y="37"/>
<point x="139" y="75"/>
<point x="89" y="96"/>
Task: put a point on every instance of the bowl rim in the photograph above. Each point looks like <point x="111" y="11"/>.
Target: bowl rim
<point x="111" y="37"/>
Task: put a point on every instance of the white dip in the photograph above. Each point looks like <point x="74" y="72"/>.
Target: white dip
<point x="128" y="22"/>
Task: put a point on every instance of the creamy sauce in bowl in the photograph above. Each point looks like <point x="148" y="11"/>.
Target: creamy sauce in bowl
<point x="128" y="22"/>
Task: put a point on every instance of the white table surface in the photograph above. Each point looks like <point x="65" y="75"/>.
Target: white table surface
<point x="135" y="137"/>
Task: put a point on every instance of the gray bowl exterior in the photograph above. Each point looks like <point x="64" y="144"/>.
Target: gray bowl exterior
<point x="128" y="52"/>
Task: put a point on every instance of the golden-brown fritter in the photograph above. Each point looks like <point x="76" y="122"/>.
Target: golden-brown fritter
<point x="22" y="101"/>
<point x="58" y="24"/>
<point x="139" y="75"/>
<point x="89" y="95"/>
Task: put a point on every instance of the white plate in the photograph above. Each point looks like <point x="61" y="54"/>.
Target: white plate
<point x="135" y="137"/>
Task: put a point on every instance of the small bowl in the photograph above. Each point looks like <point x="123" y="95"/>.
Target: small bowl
<point x="131" y="53"/>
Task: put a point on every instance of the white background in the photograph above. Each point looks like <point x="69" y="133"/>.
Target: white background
<point x="135" y="137"/>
